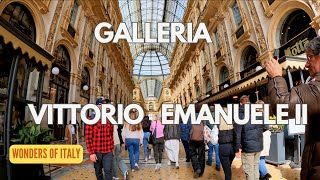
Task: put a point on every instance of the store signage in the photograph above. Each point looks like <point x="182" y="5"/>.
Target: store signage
<point x="246" y="74"/>
<point x="297" y="48"/>
<point x="296" y="45"/>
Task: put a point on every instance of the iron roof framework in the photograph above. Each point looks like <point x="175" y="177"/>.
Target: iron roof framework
<point x="151" y="59"/>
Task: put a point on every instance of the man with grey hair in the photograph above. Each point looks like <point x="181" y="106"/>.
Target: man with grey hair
<point x="304" y="93"/>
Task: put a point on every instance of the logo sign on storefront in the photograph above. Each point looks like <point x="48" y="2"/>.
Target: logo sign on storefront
<point x="296" y="45"/>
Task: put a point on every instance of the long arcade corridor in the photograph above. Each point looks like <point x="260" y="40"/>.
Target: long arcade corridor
<point x="50" y="54"/>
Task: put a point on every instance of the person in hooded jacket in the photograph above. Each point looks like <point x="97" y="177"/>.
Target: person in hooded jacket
<point x="248" y="137"/>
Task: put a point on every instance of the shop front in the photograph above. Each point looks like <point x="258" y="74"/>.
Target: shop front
<point x="22" y="70"/>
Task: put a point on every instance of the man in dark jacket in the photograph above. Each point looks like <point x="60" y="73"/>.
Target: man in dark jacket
<point x="306" y="94"/>
<point x="249" y="138"/>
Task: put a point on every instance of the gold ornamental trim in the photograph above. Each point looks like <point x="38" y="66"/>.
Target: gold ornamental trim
<point x="25" y="49"/>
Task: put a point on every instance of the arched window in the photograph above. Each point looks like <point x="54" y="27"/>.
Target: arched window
<point x="224" y="74"/>
<point x="296" y="22"/>
<point x="60" y="83"/>
<point x="249" y="57"/>
<point x="198" y="91"/>
<point x="209" y="85"/>
<point x="62" y="58"/>
<point x="150" y="106"/>
<point x="20" y="17"/>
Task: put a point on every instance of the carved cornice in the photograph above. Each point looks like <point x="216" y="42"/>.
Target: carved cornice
<point x="43" y="5"/>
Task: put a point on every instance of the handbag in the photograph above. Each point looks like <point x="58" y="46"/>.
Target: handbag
<point x="152" y="137"/>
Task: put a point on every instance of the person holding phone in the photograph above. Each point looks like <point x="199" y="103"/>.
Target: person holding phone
<point x="304" y="93"/>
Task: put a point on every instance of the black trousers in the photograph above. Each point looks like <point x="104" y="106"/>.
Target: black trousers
<point x="157" y="150"/>
<point x="226" y="155"/>
<point x="197" y="150"/>
<point x="104" y="162"/>
<point x="186" y="149"/>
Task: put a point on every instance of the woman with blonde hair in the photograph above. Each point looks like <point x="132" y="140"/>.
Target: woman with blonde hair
<point x="132" y="136"/>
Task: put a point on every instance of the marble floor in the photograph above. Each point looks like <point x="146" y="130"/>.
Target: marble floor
<point x="85" y="170"/>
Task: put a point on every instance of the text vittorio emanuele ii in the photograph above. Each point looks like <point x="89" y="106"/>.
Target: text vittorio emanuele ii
<point x="107" y="112"/>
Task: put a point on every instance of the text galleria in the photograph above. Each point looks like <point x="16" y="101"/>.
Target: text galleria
<point x="179" y="114"/>
<point x="165" y="32"/>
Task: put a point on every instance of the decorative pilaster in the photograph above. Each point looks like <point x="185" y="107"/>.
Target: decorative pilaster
<point x="53" y="26"/>
<point x="258" y="27"/>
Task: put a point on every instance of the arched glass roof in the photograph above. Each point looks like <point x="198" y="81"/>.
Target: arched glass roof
<point x="151" y="63"/>
<point x="151" y="59"/>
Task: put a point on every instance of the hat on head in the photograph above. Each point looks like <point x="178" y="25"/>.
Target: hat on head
<point x="100" y="101"/>
<point x="244" y="96"/>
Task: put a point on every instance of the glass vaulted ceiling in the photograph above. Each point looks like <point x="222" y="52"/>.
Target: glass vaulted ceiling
<point x="151" y="59"/>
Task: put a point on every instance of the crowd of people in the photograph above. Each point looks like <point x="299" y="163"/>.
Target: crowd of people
<point x="106" y="141"/>
<point x="251" y="142"/>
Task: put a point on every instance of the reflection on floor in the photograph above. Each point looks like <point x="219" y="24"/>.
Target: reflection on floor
<point x="86" y="171"/>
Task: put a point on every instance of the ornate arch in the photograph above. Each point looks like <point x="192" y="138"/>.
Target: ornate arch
<point x="37" y="17"/>
<point x="72" y="55"/>
<point x="280" y="16"/>
<point x="217" y="73"/>
<point x="239" y="53"/>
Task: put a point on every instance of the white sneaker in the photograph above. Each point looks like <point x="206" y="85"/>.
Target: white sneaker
<point x="169" y="163"/>
<point x="136" y="166"/>
<point x="126" y="175"/>
<point x="150" y="157"/>
<point x="146" y="159"/>
<point x="132" y="170"/>
<point x="177" y="165"/>
<point x="157" y="167"/>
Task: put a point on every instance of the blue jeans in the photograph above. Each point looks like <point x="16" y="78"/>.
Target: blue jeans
<point x="104" y="161"/>
<point x="186" y="149"/>
<point x="210" y="153"/>
<point x="262" y="166"/>
<point x="133" y="149"/>
<point x="118" y="162"/>
<point x="146" y="150"/>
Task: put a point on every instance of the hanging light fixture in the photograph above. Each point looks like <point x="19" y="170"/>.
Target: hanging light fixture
<point x="258" y="68"/>
<point x="85" y="87"/>
<point x="226" y="85"/>
<point x="55" y="71"/>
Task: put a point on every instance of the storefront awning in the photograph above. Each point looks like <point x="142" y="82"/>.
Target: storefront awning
<point x="287" y="62"/>
<point x="10" y="34"/>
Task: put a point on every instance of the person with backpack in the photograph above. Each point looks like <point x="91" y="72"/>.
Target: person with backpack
<point x="146" y="123"/>
<point x="172" y="136"/>
<point x="197" y="147"/>
<point x="156" y="129"/>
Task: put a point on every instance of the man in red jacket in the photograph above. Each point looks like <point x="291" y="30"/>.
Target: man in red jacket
<point x="99" y="141"/>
